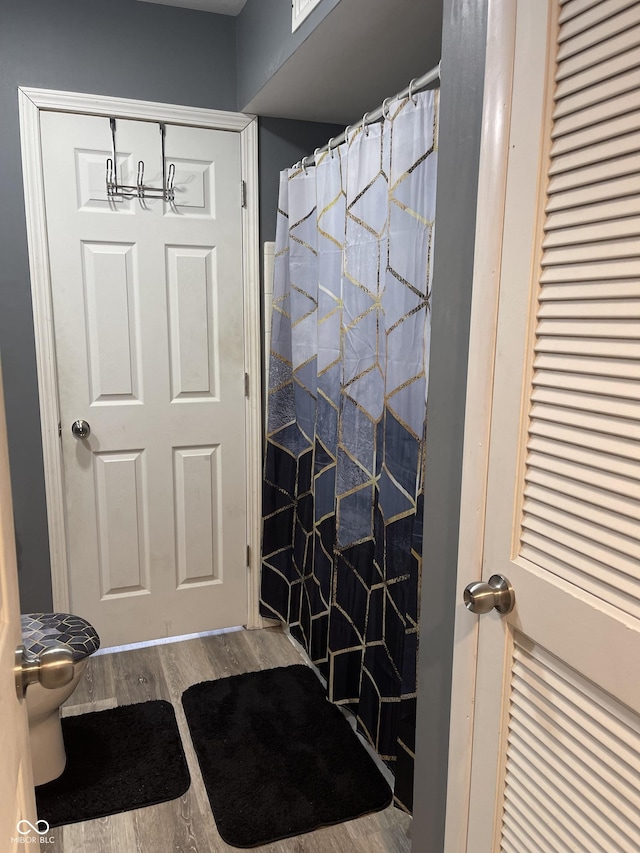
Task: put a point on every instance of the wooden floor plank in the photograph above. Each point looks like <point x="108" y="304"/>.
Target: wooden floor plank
<point x="184" y="664"/>
<point x="95" y="683"/>
<point x="88" y="707"/>
<point x="186" y="825"/>
<point x="177" y="825"/>
<point x="137" y="674"/>
<point x="271" y="647"/>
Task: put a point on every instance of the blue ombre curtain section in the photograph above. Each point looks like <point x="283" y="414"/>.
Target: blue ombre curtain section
<point x="343" y="483"/>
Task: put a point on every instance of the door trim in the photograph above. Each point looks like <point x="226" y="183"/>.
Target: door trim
<point x="31" y="103"/>
<point x="492" y="179"/>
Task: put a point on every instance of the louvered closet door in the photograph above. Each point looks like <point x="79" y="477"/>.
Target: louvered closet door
<point x="556" y="754"/>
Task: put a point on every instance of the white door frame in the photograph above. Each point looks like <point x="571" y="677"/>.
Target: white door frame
<point x="492" y="180"/>
<point x="31" y="103"/>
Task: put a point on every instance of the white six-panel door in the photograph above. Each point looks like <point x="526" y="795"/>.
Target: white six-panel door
<point x="555" y="764"/>
<point x="148" y="321"/>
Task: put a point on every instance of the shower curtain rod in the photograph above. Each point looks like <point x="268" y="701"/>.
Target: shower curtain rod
<point x="416" y="85"/>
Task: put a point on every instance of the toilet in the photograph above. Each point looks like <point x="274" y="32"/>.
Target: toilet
<point x="39" y="632"/>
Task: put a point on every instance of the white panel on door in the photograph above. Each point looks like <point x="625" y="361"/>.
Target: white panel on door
<point x="198" y="500"/>
<point x="91" y="182"/>
<point x="572" y="762"/>
<point x="111" y="304"/>
<point x="122" y="547"/>
<point x="193" y="318"/>
<point x="195" y="189"/>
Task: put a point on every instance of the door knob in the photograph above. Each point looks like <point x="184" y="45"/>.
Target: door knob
<point x="481" y="597"/>
<point x="80" y="428"/>
<point x="53" y="667"/>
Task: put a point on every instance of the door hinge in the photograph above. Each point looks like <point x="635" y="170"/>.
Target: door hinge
<point x="248" y="555"/>
<point x="246" y="385"/>
<point x="243" y="192"/>
<point x="59" y="429"/>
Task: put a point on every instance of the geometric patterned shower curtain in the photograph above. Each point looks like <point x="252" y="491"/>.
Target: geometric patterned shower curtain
<point x="343" y="483"/>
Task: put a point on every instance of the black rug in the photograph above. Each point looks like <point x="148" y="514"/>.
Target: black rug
<point x="277" y="758"/>
<point x="120" y="759"/>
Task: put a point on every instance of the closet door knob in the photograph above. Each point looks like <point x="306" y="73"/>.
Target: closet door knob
<point x="481" y="597"/>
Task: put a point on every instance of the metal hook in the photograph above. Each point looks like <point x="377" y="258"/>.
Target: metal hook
<point x="315" y="156"/>
<point x="165" y="186"/>
<point x="170" y="181"/>
<point x="415" y="103"/>
<point x="139" y="190"/>
<point x="109" y="176"/>
<point x="330" y="149"/>
<point x="304" y="165"/>
<point x="385" y="109"/>
<point x="140" y="179"/>
<point x="112" y="185"/>
<point x="365" y="126"/>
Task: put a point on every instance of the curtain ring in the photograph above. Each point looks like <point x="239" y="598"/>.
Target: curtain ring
<point x="304" y="165"/>
<point x="329" y="148"/>
<point x="365" y="126"/>
<point x="415" y="103"/>
<point x="346" y="133"/>
<point x="385" y="109"/>
<point x="315" y="156"/>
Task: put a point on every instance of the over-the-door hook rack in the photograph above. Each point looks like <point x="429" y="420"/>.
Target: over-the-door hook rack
<point x="116" y="190"/>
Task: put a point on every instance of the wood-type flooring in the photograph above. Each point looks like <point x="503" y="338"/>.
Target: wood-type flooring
<point x="186" y="825"/>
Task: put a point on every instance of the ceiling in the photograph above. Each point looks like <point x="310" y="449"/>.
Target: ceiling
<point x="220" y="7"/>
<point x="361" y="53"/>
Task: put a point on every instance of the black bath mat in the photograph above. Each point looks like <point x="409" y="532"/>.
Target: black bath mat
<point x="120" y="759"/>
<point x="277" y="758"/>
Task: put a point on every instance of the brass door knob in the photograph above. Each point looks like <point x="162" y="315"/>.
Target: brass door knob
<point x="52" y="668"/>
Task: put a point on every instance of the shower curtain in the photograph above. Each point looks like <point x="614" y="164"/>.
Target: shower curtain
<point x="342" y="495"/>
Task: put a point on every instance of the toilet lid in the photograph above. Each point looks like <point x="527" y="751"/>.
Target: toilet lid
<point x="42" y="630"/>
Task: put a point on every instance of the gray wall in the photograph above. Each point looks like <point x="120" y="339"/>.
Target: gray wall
<point x="126" y="49"/>
<point x="359" y="54"/>
<point x="282" y="143"/>
<point x="265" y="41"/>
<point x="463" y="55"/>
